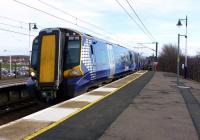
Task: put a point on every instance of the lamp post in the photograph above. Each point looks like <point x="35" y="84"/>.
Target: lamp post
<point x="29" y="42"/>
<point x="29" y="33"/>
<point x="179" y="24"/>
<point x="10" y="64"/>
<point x="0" y="67"/>
<point x="178" y="58"/>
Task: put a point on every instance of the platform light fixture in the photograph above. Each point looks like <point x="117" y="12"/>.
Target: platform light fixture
<point x="34" y="28"/>
<point x="29" y="35"/>
<point x="178" y="58"/>
<point x="179" y="24"/>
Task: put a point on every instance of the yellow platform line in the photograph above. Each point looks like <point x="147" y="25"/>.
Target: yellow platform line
<point x="81" y="109"/>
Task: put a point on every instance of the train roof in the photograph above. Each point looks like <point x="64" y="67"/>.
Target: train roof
<point x="82" y="33"/>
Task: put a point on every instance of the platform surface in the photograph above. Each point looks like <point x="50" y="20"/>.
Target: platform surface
<point x="4" y="83"/>
<point x="91" y="123"/>
<point x="158" y="113"/>
<point x="141" y="106"/>
<point x="35" y="124"/>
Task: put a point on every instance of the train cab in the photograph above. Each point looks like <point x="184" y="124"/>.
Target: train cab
<point x="55" y="56"/>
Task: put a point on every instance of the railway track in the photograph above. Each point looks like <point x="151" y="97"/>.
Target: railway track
<point x="16" y="101"/>
<point x="17" y="105"/>
<point x="19" y="109"/>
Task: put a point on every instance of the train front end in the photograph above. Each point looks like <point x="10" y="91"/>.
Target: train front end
<point x="55" y="57"/>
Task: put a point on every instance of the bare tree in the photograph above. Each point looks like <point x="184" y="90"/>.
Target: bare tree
<point x="168" y="58"/>
<point x="167" y="61"/>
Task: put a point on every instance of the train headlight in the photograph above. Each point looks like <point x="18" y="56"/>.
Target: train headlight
<point x="33" y="74"/>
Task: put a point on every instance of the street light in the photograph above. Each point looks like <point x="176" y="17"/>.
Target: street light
<point x="35" y="28"/>
<point x="179" y="24"/>
<point x="29" y="29"/>
<point x="178" y="57"/>
<point x="0" y="67"/>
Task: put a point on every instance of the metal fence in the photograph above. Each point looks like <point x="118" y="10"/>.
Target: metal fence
<point x="14" y="70"/>
<point x="194" y="68"/>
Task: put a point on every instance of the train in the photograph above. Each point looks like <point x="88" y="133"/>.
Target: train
<point x="66" y="62"/>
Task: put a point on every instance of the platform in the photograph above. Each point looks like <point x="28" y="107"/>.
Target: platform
<point x="160" y="112"/>
<point x="135" y="107"/>
<point x="5" y="83"/>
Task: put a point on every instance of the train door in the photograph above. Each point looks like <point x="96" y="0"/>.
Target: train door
<point x="111" y="60"/>
<point x="50" y="59"/>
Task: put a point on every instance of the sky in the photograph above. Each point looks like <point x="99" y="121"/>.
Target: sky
<point x="106" y="19"/>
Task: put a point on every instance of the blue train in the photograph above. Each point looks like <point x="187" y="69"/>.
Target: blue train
<point x="66" y="62"/>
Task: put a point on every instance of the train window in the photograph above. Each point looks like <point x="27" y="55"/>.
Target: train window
<point x="72" y="53"/>
<point x="34" y="55"/>
<point x="102" y="57"/>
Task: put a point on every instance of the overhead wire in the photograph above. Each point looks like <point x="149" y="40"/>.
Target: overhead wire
<point x="140" y="20"/>
<point x="14" y="26"/>
<point x="133" y="20"/>
<point x="42" y="11"/>
<point x="144" y="46"/>
<point x="66" y="13"/>
<point x="11" y="19"/>
<point x="76" y="18"/>
<point x="18" y="21"/>
<point x="67" y="21"/>
<point x="6" y="30"/>
<point x="52" y="15"/>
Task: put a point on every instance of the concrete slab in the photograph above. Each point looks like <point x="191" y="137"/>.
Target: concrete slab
<point x="105" y="89"/>
<point x="74" y="104"/>
<point x="100" y="93"/>
<point x="51" y="114"/>
<point x="86" y="98"/>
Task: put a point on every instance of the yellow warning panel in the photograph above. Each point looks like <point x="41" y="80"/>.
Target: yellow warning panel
<point x="47" y="59"/>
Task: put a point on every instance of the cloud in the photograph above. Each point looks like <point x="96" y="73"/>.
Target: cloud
<point x="159" y="16"/>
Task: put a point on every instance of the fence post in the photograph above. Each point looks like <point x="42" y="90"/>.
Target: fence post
<point x="0" y="69"/>
<point x="15" y="70"/>
<point x="29" y="68"/>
